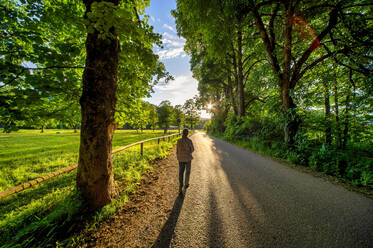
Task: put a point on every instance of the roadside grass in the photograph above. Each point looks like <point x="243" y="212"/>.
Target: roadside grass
<point x="29" y="154"/>
<point x="53" y="210"/>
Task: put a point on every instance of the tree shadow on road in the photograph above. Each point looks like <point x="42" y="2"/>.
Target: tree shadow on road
<point x="165" y="236"/>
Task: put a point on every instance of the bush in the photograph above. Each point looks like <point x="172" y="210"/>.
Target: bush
<point x="322" y="160"/>
<point x="241" y="128"/>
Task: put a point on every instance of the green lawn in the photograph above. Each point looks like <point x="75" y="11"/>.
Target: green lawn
<point x="29" y="154"/>
<point x="38" y="215"/>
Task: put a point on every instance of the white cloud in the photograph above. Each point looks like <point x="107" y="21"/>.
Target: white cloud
<point x="173" y="47"/>
<point x="176" y="91"/>
<point x="169" y="27"/>
<point x="172" y="53"/>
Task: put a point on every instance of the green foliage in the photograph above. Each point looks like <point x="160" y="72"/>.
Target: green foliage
<point x="42" y="57"/>
<point x="165" y="115"/>
<point x="191" y="112"/>
<point x="306" y="73"/>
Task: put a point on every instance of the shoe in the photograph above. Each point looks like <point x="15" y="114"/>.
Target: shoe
<point x="186" y="186"/>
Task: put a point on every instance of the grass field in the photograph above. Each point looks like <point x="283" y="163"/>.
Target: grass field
<point x="48" y="208"/>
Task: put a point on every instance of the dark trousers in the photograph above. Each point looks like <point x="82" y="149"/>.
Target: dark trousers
<point x="182" y="167"/>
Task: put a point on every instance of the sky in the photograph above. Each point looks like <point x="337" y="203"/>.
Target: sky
<point x="173" y="56"/>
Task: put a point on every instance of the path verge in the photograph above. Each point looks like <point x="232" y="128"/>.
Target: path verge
<point x="144" y="216"/>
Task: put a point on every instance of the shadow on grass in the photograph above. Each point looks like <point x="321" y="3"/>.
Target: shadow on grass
<point x="165" y="236"/>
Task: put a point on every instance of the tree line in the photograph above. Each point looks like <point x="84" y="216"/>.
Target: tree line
<point x="294" y="76"/>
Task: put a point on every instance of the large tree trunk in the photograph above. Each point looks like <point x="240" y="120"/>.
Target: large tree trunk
<point x="95" y="171"/>
<point x="240" y="89"/>
<point x="336" y="110"/>
<point x="328" y="128"/>
<point x="346" y="121"/>
<point x="285" y="85"/>
<point x="292" y="119"/>
<point x="231" y="96"/>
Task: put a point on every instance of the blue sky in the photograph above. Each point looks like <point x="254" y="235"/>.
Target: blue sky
<point x="172" y="55"/>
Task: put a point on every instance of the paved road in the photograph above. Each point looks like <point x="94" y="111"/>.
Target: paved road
<point x="240" y="199"/>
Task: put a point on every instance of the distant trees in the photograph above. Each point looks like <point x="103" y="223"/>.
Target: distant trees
<point x="191" y="108"/>
<point x="165" y="115"/>
<point x="153" y="117"/>
<point x="179" y="117"/>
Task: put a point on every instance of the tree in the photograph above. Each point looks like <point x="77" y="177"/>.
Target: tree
<point x="165" y="115"/>
<point x="40" y="55"/>
<point x="191" y="112"/>
<point x="153" y="117"/>
<point x="116" y="38"/>
<point x="179" y="116"/>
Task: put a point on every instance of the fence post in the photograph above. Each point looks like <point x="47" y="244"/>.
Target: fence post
<point x="169" y="139"/>
<point x="159" y="140"/>
<point x="142" y="149"/>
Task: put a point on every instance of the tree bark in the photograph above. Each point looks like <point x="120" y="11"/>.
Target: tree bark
<point x="328" y="128"/>
<point x="231" y="96"/>
<point x="346" y="121"/>
<point x="95" y="178"/>
<point x="240" y="89"/>
<point x="336" y="110"/>
<point x="288" y="104"/>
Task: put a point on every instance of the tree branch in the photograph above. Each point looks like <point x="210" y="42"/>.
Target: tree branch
<point x="331" y="24"/>
<point x="251" y="67"/>
<point x="271" y="29"/>
<point x="317" y="61"/>
<point x="266" y="41"/>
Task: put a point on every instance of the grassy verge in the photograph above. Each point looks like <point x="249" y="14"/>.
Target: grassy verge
<point x="53" y="210"/>
<point x="305" y="160"/>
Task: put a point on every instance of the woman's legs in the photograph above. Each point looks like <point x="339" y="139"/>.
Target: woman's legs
<point x="187" y="173"/>
<point x="181" y="173"/>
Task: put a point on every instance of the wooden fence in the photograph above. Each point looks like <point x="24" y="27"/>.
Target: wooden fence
<point x="26" y="185"/>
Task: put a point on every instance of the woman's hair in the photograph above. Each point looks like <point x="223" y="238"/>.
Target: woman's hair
<point x="185" y="132"/>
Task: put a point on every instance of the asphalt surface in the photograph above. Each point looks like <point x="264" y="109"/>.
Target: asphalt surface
<point x="240" y="199"/>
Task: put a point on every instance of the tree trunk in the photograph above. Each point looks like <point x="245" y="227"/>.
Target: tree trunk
<point x="42" y="129"/>
<point x="165" y="131"/>
<point x="328" y="128"/>
<point x="292" y="120"/>
<point x="95" y="171"/>
<point x="75" y="129"/>
<point x="337" y="128"/>
<point x="346" y="121"/>
<point x="240" y="88"/>
<point x="231" y="96"/>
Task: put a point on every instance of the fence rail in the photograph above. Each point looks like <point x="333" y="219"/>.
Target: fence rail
<point x="31" y="183"/>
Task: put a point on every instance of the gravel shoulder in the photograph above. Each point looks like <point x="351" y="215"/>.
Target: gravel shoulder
<point x="140" y="221"/>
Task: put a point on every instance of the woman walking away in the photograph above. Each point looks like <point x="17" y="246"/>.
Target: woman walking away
<point x="184" y="151"/>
